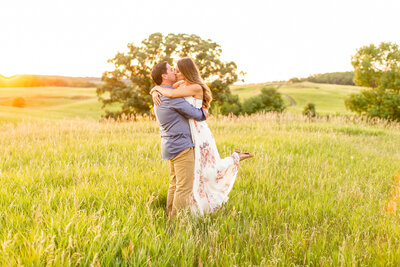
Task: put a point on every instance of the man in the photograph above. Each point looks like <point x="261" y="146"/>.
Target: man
<point x="176" y="140"/>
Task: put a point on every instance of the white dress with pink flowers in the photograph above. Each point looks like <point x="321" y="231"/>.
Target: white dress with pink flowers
<point x="213" y="176"/>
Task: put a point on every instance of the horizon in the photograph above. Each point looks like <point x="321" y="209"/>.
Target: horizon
<point x="19" y="76"/>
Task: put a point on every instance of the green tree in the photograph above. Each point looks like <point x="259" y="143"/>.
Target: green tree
<point x="129" y="83"/>
<point x="230" y="105"/>
<point x="376" y="103"/>
<point x="377" y="66"/>
<point x="309" y="110"/>
<point x="269" y="100"/>
<point x="378" y="69"/>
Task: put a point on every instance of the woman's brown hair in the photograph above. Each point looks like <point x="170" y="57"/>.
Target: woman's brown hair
<point x="192" y="74"/>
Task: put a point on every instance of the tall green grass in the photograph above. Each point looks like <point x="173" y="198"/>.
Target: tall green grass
<point x="81" y="192"/>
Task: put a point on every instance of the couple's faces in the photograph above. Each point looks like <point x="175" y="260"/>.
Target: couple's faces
<point x="174" y="75"/>
<point x="171" y="75"/>
<point x="179" y="74"/>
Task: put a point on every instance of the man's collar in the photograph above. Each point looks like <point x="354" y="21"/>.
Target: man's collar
<point x="167" y="86"/>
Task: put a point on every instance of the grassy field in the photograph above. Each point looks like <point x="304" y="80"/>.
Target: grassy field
<point x="77" y="191"/>
<point x="81" y="192"/>
<point x="328" y="98"/>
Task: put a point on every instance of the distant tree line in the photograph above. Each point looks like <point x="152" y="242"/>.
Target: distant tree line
<point x="342" y="78"/>
<point x="42" y="80"/>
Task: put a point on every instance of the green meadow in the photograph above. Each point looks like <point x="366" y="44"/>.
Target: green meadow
<point x="77" y="190"/>
<point x="328" y="98"/>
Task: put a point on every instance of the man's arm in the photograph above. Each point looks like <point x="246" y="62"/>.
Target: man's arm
<point x="187" y="110"/>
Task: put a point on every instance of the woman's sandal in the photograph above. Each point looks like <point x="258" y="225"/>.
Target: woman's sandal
<point x="244" y="155"/>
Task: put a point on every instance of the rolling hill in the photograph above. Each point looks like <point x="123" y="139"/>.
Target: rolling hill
<point x="328" y="98"/>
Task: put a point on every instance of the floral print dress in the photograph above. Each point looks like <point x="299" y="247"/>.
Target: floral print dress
<point x="213" y="177"/>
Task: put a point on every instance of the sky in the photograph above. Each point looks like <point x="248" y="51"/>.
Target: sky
<point x="269" y="40"/>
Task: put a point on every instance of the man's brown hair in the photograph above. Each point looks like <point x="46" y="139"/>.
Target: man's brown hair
<point x="158" y="71"/>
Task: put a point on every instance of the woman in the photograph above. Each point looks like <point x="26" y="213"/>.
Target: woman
<point x="213" y="176"/>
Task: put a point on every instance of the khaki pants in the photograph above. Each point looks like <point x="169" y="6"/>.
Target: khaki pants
<point x="181" y="184"/>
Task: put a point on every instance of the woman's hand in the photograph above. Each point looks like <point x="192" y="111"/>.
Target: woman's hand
<point x="155" y="88"/>
<point x="155" y="94"/>
<point x="156" y="97"/>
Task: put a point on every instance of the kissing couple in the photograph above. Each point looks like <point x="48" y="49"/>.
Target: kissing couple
<point x="200" y="179"/>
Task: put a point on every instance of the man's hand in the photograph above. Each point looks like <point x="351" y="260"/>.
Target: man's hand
<point x="156" y="98"/>
<point x="205" y="112"/>
<point x="205" y="108"/>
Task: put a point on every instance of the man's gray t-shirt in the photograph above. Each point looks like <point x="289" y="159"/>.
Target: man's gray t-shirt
<point x="173" y="115"/>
